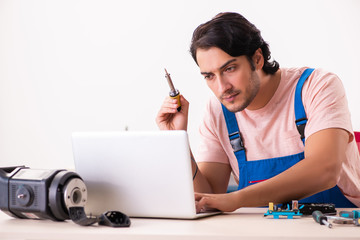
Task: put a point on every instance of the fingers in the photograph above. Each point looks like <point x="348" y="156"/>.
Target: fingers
<point x="168" y="108"/>
<point x="198" y="196"/>
<point x="204" y="202"/>
<point x="184" y="104"/>
<point x="168" y="117"/>
<point x="169" y="105"/>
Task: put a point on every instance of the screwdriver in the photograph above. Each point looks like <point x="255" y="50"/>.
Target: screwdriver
<point x="174" y="93"/>
<point x="319" y="217"/>
<point x="353" y="214"/>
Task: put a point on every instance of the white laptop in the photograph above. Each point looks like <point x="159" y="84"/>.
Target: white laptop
<point x="142" y="174"/>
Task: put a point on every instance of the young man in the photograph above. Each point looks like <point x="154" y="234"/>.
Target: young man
<point x="285" y="134"/>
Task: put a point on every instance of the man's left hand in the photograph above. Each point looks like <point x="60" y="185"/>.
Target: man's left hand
<point x="226" y="202"/>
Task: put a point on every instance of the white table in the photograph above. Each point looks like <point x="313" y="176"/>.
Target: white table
<point x="246" y="223"/>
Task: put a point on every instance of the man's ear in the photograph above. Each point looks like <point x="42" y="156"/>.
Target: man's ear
<point x="258" y="59"/>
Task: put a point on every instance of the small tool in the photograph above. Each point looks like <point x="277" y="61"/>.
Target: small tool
<point x="350" y="214"/>
<point x="174" y="93"/>
<point x="319" y="217"/>
<point x="353" y="215"/>
<point x="341" y="219"/>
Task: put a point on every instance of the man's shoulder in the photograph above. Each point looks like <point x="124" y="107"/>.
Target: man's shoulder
<point x="292" y="72"/>
<point x="321" y="73"/>
<point x="297" y="71"/>
<point x="318" y="77"/>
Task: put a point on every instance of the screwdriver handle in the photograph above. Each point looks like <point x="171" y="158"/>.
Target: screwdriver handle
<point x="319" y="217"/>
<point x="177" y="97"/>
<point x="357" y="221"/>
<point x="316" y="216"/>
<point x="353" y="214"/>
<point x="346" y="214"/>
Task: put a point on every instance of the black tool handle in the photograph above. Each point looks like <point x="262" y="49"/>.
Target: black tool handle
<point x="319" y="217"/>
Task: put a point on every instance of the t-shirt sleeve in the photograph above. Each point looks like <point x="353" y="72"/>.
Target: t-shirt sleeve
<point x="210" y="148"/>
<point x="325" y="103"/>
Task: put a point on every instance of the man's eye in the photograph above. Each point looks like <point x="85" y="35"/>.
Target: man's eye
<point x="208" y="77"/>
<point x="230" y="69"/>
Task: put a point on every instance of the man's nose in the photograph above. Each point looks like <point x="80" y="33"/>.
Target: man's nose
<point x="223" y="84"/>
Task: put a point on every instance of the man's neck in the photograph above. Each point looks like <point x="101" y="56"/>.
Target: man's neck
<point x="268" y="86"/>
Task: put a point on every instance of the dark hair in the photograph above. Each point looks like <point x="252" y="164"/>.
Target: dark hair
<point x="235" y="35"/>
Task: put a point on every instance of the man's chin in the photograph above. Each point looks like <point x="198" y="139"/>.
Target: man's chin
<point x="232" y="107"/>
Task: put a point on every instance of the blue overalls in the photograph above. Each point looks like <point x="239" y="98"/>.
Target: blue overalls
<point x="251" y="172"/>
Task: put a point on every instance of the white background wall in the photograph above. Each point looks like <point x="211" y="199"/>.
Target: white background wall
<point x="97" y="65"/>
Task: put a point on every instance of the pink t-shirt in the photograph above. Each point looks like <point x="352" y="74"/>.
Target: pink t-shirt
<point x="271" y="131"/>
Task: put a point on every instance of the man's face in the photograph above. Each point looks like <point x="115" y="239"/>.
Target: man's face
<point x="231" y="79"/>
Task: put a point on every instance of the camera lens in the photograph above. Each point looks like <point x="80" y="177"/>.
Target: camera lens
<point x="67" y="190"/>
<point x="75" y="193"/>
<point x="76" y="196"/>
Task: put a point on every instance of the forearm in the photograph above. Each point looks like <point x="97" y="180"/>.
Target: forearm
<point x="300" y="181"/>
<point x="200" y="182"/>
<point x="324" y="153"/>
<point x="320" y="170"/>
<point x="211" y="177"/>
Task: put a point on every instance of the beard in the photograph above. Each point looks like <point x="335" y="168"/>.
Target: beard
<point x="242" y="99"/>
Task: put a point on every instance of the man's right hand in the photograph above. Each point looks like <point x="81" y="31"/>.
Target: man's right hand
<point x="169" y="118"/>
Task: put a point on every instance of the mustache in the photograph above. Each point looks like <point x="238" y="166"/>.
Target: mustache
<point x="229" y="93"/>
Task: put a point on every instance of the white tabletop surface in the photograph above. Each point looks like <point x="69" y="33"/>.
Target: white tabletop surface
<point x="245" y="223"/>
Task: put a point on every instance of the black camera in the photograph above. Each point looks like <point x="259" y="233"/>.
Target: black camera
<point x="40" y="194"/>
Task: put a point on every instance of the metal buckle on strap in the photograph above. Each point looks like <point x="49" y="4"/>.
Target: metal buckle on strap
<point x="236" y="141"/>
<point x="300" y="125"/>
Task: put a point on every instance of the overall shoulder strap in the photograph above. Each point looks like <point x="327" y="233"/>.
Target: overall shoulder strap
<point x="300" y="115"/>
<point x="300" y="120"/>
<point x="234" y="134"/>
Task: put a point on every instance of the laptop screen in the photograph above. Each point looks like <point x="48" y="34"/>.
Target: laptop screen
<point x="143" y="174"/>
